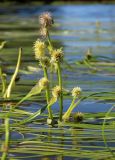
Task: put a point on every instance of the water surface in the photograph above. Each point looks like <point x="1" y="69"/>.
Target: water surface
<point x="75" y="30"/>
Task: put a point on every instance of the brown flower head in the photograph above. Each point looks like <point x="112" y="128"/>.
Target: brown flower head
<point x="46" y="19"/>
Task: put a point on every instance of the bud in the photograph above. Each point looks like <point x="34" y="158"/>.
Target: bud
<point x="78" y="117"/>
<point x="76" y="92"/>
<point x="39" y="49"/>
<point x="57" y="55"/>
<point x="43" y="82"/>
<point x="46" y="19"/>
<point x="56" y="91"/>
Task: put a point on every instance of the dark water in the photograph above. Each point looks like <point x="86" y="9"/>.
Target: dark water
<point x="77" y="28"/>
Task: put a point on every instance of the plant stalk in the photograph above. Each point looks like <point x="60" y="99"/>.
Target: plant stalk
<point x="7" y="137"/>
<point x="49" y="40"/>
<point x="72" y="106"/>
<point x="52" y="101"/>
<point x="47" y="93"/>
<point x="3" y="80"/>
<point x="12" y="81"/>
<point x="48" y="88"/>
<point x="61" y="96"/>
<point x="50" y="116"/>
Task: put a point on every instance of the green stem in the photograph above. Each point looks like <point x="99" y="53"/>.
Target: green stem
<point x="3" y="81"/>
<point x="51" y="48"/>
<point x="12" y="81"/>
<point x="72" y="106"/>
<point x="61" y="96"/>
<point x="52" y="101"/>
<point x="50" y="116"/>
<point x="68" y="112"/>
<point x="49" y="40"/>
<point x="47" y="92"/>
<point x="7" y="137"/>
<point x="48" y="88"/>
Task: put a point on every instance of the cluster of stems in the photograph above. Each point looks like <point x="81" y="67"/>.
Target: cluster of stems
<point x="46" y="22"/>
<point x="59" y="73"/>
<point x="55" y="57"/>
<point x="6" y="91"/>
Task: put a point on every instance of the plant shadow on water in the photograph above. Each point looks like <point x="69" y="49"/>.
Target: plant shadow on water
<point x="86" y="33"/>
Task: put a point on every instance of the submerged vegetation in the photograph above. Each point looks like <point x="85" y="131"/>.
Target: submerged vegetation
<point x="24" y="123"/>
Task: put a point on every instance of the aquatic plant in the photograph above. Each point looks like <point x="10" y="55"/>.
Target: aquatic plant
<point x="15" y="119"/>
<point x="6" y="95"/>
<point x="75" y="94"/>
<point x="47" y="63"/>
<point x="56" y="58"/>
<point x="12" y="81"/>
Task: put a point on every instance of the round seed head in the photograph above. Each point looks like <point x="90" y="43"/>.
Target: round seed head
<point x="78" y="117"/>
<point x="46" y="19"/>
<point x="56" y="91"/>
<point x="76" y="91"/>
<point x="39" y="49"/>
<point x="57" y="55"/>
<point x="43" y="82"/>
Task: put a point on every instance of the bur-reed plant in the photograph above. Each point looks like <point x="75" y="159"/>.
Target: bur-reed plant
<point x="46" y="61"/>
<point x="48" y="58"/>
<point x="54" y="59"/>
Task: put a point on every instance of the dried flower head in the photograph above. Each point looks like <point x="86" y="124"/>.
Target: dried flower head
<point x="57" y="55"/>
<point x="43" y="82"/>
<point x="76" y="91"/>
<point x="39" y="49"/>
<point x="56" y="91"/>
<point x="45" y="61"/>
<point x="46" y="19"/>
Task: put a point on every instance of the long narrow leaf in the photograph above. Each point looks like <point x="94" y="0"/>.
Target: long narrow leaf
<point x="8" y="91"/>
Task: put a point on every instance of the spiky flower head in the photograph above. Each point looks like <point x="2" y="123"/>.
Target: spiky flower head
<point x="46" y="19"/>
<point x="56" y="91"/>
<point x="43" y="82"/>
<point x="57" y="55"/>
<point x="45" y="61"/>
<point x="39" y="49"/>
<point x="76" y="91"/>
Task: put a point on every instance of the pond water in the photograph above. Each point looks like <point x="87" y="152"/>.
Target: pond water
<point x="77" y="28"/>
